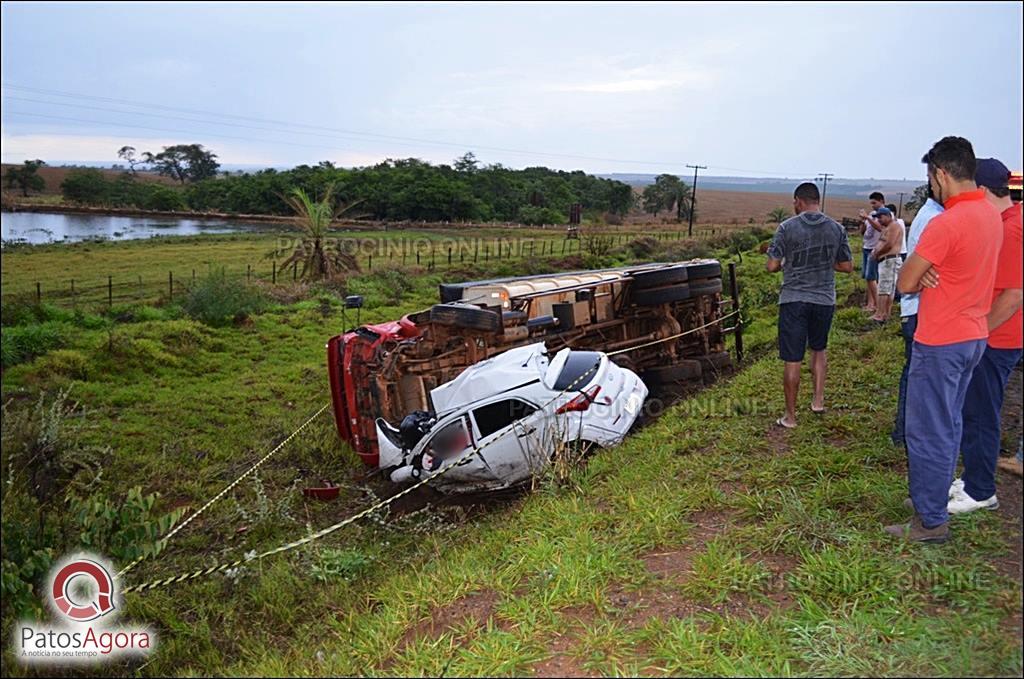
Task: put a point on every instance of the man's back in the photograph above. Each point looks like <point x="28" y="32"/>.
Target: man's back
<point x="963" y="245"/>
<point x="810" y="244"/>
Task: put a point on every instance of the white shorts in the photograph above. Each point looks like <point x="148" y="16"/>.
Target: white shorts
<point x="888" y="272"/>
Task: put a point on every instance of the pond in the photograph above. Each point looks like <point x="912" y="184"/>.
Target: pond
<point x="43" y="227"/>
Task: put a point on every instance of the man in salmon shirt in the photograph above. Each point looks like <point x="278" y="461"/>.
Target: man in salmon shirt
<point x="982" y="427"/>
<point x="954" y="268"/>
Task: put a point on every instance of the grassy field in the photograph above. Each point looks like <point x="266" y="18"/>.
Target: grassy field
<point x="708" y="543"/>
<point x="145" y="271"/>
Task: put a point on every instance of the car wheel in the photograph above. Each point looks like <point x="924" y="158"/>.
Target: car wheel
<point x="465" y="316"/>
<point x="679" y="372"/>
<point x="704" y="270"/>
<point x="642" y="280"/>
<point x="665" y="295"/>
<point x="710" y="286"/>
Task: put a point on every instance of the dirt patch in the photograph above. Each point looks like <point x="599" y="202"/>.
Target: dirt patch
<point x="672" y="565"/>
<point x="733" y="487"/>
<point x="560" y="662"/>
<point x="636" y="608"/>
<point x="477" y="607"/>
<point x="778" y="440"/>
<point x="675" y="564"/>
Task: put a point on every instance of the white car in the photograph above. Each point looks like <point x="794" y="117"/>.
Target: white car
<point x="505" y="417"/>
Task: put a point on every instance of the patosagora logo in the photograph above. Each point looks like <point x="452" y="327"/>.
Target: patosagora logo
<point x="64" y="598"/>
<point x="83" y="596"/>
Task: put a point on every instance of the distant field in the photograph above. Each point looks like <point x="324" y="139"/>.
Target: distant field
<point x="53" y="176"/>
<point x="738" y="207"/>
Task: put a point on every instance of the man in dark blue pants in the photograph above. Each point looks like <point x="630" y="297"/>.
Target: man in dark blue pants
<point x="981" y="411"/>
<point x="953" y="267"/>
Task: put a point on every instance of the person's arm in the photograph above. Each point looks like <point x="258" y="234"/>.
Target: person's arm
<point x="1004" y="307"/>
<point x="844" y="257"/>
<point x="917" y="273"/>
<point x="776" y="251"/>
<point x="882" y="247"/>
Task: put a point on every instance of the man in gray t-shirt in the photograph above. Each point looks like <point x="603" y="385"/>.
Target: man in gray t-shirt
<point x="808" y="249"/>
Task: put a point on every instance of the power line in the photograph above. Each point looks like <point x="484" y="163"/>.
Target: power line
<point x="349" y="134"/>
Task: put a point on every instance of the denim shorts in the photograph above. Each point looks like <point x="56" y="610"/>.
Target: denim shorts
<point x="869" y="267"/>
<point x="803" y="325"/>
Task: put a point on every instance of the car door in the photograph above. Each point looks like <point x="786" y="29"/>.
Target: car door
<point x="509" y="433"/>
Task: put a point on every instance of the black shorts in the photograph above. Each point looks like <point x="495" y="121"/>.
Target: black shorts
<point x="803" y="325"/>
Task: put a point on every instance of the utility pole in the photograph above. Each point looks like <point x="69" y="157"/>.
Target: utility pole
<point x="693" y="198"/>
<point x="824" y="189"/>
<point x="899" y="210"/>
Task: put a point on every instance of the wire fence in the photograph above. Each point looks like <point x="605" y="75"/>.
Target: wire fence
<point x="370" y="255"/>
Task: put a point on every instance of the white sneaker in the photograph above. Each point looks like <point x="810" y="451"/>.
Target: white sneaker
<point x="965" y="503"/>
<point x="956" y="489"/>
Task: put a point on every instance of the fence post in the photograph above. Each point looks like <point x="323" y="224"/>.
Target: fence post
<point x="170" y="285"/>
<point x="110" y="291"/>
<point x="449" y="255"/>
<point x="39" y="293"/>
<point x="738" y="323"/>
<point x="417" y="257"/>
<point x="273" y="273"/>
<point x="248" y="272"/>
<point x="369" y="263"/>
<point x="72" y="288"/>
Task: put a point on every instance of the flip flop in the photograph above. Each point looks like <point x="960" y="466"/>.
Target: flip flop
<point x="778" y="423"/>
<point x="819" y="412"/>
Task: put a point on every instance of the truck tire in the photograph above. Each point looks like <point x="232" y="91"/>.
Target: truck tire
<point x="704" y="270"/>
<point x="715" y="362"/>
<point x="709" y="286"/>
<point x="679" y="372"/>
<point x="465" y="316"/>
<point x="664" y="295"/>
<point x="642" y="280"/>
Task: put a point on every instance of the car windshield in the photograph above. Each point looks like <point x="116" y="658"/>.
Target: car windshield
<point x="580" y="367"/>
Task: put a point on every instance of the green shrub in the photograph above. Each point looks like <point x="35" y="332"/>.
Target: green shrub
<point x="157" y="197"/>
<point x="122" y="529"/>
<point x="24" y="342"/>
<point x="138" y="353"/>
<point x="531" y="214"/>
<point x="66" y="362"/>
<point x="218" y="300"/>
<point x="344" y="564"/>
<point x="87" y="186"/>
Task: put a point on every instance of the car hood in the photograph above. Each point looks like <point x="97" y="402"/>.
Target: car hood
<point x="493" y="376"/>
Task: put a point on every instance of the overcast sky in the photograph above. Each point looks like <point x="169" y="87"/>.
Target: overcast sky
<point x="859" y="90"/>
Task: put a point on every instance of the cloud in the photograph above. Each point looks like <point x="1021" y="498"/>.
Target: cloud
<point x="617" y="86"/>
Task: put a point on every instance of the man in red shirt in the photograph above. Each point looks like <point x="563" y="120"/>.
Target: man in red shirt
<point x="954" y="268"/>
<point x="980" y="442"/>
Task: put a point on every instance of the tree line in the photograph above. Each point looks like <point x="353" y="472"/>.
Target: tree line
<point x="405" y="189"/>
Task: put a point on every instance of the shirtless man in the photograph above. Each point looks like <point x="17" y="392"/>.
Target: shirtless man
<point x="887" y="254"/>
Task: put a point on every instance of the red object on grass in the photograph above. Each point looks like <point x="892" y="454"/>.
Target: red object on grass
<point x="325" y="493"/>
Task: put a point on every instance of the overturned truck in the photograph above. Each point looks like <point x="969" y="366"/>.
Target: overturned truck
<point x="389" y="370"/>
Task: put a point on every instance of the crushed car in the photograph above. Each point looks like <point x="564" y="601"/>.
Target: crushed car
<point x="498" y="423"/>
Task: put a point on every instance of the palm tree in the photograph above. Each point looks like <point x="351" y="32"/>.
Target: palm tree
<point x="318" y="259"/>
<point x="778" y="215"/>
